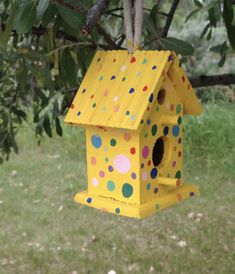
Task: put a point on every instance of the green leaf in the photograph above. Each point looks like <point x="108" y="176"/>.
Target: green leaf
<point x="154" y="13"/>
<point x="205" y="30"/>
<point x="209" y="34"/>
<point x="191" y="14"/>
<point x="228" y="15"/>
<point x="212" y="16"/>
<point x="59" y="130"/>
<point x="1" y="160"/>
<point x="216" y="48"/>
<point x="47" y="126"/>
<point x="9" y="26"/>
<point x="68" y="68"/>
<point x="198" y="3"/>
<point x="49" y="15"/>
<point x="178" y="46"/>
<point x="72" y="18"/>
<point x="41" y="8"/>
<point x="149" y="24"/>
<point x="222" y="60"/>
<point x="26" y="18"/>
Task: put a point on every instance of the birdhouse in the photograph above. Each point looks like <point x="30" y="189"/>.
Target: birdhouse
<point x="132" y="108"/>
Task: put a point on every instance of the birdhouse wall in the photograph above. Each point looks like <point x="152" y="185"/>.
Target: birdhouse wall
<point x="160" y="170"/>
<point x="113" y="163"/>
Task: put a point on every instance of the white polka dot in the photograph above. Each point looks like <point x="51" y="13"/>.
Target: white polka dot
<point x="95" y="182"/>
<point x="115" y="98"/>
<point x="123" y="68"/>
<point x="122" y="164"/>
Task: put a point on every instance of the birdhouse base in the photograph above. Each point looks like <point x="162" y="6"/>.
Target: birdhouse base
<point x="134" y="210"/>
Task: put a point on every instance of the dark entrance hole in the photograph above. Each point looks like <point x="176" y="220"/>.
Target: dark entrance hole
<point x="158" y="152"/>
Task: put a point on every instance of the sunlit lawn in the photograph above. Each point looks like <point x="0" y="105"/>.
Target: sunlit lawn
<point x="44" y="231"/>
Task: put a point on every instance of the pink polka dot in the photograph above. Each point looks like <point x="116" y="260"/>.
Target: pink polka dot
<point x="102" y="174"/>
<point x="122" y="163"/>
<point x="145" y="152"/>
<point x="93" y="161"/>
<point x="127" y="136"/>
<point x="174" y="163"/>
<point x="144" y="176"/>
<point x="95" y="182"/>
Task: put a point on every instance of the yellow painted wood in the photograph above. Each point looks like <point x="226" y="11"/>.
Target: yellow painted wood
<point x="132" y="107"/>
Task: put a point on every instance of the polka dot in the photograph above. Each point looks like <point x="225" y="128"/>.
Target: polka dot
<point x="133" y="59"/>
<point x="127" y="190"/>
<point x="155" y="190"/>
<point x="123" y="79"/>
<point x="132" y="117"/>
<point x="175" y="130"/>
<point x="172" y="107"/>
<point x="142" y="122"/>
<point x="171" y="57"/>
<point x="89" y="200"/>
<point x="132" y="150"/>
<point x="113" y="142"/>
<point x="191" y="194"/>
<point x="151" y="98"/>
<point x="96" y="141"/>
<point x="133" y="175"/>
<point x="145" y="152"/>
<point x="98" y="59"/>
<point x="148" y="122"/>
<point x="122" y="163"/>
<point x="84" y="90"/>
<point x="179" y="141"/>
<point x="114" y="60"/>
<point x="131" y="90"/>
<point x="127" y="136"/>
<point x="148" y="186"/>
<point x="138" y="74"/>
<point x="165" y="130"/>
<point x="79" y="113"/>
<point x="102" y="174"/>
<point x="157" y="108"/>
<point x="95" y="182"/>
<point x="144" y="176"/>
<point x="154" y="67"/>
<point x="183" y="78"/>
<point x="116" y="108"/>
<point x="123" y="67"/>
<point x="154" y="173"/>
<point x="93" y="161"/>
<point x="145" y="88"/>
<point x="94" y="105"/>
<point x="106" y="93"/>
<point x="179" y="154"/>
<point x="179" y="121"/>
<point x="154" y="130"/>
<point x="149" y="163"/>
<point x="101" y="78"/>
<point x="174" y="163"/>
<point x="106" y="159"/>
<point x="142" y="165"/>
<point x="110" y="185"/>
<point x="127" y="112"/>
<point x="72" y="106"/>
<point x="117" y="210"/>
<point x="110" y="168"/>
<point x="144" y="61"/>
<point x="113" y="77"/>
<point x="178" y="174"/>
<point x="115" y="98"/>
<point x="178" y="108"/>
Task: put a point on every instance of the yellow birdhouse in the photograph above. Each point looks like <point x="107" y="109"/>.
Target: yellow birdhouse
<point x="132" y="108"/>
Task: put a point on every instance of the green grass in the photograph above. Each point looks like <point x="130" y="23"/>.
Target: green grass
<point x="44" y="231"/>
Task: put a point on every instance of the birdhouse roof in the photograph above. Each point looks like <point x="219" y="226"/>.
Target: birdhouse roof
<point x="119" y="88"/>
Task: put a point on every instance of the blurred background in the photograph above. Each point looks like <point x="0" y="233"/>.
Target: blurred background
<point x="45" y="50"/>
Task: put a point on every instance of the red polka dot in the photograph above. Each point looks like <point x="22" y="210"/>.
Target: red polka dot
<point x="114" y="60"/>
<point x="145" y="88"/>
<point x="149" y="163"/>
<point x="183" y="78"/>
<point x="92" y="96"/>
<point x="179" y="154"/>
<point x="72" y="106"/>
<point x="133" y="59"/>
<point x="174" y="163"/>
<point x="148" y="109"/>
<point x="179" y="141"/>
<point x="133" y="150"/>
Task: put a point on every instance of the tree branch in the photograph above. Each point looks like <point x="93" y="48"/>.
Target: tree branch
<point x="169" y="18"/>
<point x="93" y="15"/>
<point x="212" y="80"/>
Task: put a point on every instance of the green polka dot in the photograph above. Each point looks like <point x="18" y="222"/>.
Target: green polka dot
<point x="154" y="130"/>
<point x="157" y="206"/>
<point x="127" y="190"/>
<point x="178" y="108"/>
<point x="142" y="121"/>
<point x="110" y="185"/>
<point x="117" y="210"/>
<point x="106" y="160"/>
<point x="178" y="174"/>
<point x="148" y="186"/>
<point x="94" y="105"/>
<point x="128" y="112"/>
<point x="179" y="121"/>
<point x="113" y="142"/>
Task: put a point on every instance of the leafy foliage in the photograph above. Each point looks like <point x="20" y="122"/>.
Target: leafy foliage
<point x="44" y="56"/>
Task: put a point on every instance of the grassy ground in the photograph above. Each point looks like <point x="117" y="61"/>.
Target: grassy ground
<point x="44" y="231"/>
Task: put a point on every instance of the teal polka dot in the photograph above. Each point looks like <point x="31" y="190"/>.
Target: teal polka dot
<point x="128" y="112"/>
<point x="127" y="190"/>
<point x="148" y="122"/>
<point x="106" y="159"/>
<point x="113" y="142"/>
<point x="179" y="121"/>
<point x="154" y="130"/>
<point x="117" y="210"/>
<point x="178" y="174"/>
<point x="148" y="186"/>
<point x="110" y="185"/>
<point x="178" y="108"/>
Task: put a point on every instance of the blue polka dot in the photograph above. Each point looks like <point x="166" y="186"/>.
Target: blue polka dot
<point x="89" y="200"/>
<point x="154" y="67"/>
<point x="113" y="77"/>
<point x="131" y="90"/>
<point x="165" y="130"/>
<point x="117" y="210"/>
<point x="155" y="190"/>
<point x="96" y="141"/>
<point x="175" y="130"/>
<point x="151" y="98"/>
<point x="154" y="173"/>
<point x="79" y="113"/>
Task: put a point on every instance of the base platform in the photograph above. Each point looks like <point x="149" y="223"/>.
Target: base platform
<point x="133" y="210"/>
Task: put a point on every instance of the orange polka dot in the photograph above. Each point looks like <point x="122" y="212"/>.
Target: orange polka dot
<point x="72" y="106"/>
